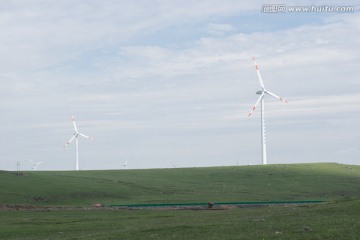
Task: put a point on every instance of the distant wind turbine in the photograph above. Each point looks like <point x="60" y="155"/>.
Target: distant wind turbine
<point x="75" y="136"/>
<point x="34" y="165"/>
<point x="125" y="163"/>
<point x="262" y="93"/>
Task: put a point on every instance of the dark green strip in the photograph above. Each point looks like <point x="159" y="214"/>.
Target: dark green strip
<point x="216" y="203"/>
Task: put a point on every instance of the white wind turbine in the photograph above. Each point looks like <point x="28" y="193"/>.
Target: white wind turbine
<point x="262" y="93"/>
<point x="125" y="163"/>
<point x="34" y="165"/>
<point x="75" y="136"/>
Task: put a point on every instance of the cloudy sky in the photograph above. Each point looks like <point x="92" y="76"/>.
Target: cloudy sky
<point x="170" y="83"/>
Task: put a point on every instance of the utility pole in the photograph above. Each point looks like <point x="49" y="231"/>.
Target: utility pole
<point x="18" y="168"/>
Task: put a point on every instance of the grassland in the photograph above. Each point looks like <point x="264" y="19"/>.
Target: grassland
<point x="337" y="218"/>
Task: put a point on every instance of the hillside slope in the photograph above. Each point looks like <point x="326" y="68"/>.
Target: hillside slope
<point x="323" y="181"/>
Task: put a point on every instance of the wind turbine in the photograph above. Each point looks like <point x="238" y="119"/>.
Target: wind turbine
<point x="75" y="136"/>
<point x="125" y="163"/>
<point x="34" y="165"/>
<point x="262" y="93"/>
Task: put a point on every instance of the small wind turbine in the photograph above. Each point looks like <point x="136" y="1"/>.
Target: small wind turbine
<point x="34" y="165"/>
<point x="125" y="163"/>
<point x="75" y="136"/>
<point x="262" y="93"/>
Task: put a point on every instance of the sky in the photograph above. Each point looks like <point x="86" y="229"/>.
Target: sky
<point x="169" y="84"/>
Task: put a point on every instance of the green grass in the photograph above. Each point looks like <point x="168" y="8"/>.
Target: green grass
<point x="218" y="184"/>
<point x="337" y="218"/>
<point x="324" y="221"/>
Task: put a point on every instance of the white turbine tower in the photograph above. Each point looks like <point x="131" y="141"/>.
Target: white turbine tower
<point x="75" y="136"/>
<point x="262" y="93"/>
<point x="34" y="165"/>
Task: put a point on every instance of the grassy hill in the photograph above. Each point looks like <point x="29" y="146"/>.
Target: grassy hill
<point x="337" y="218"/>
<point x="325" y="181"/>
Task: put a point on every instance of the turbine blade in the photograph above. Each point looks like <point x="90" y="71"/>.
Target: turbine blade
<point x="73" y="120"/>
<point x="276" y="96"/>
<point x="31" y="161"/>
<point x="257" y="102"/>
<point x="83" y="135"/>
<point x="258" y="73"/>
<point x="71" y="139"/>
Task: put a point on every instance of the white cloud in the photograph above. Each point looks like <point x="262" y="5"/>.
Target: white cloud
<point x="219" y="29"/>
